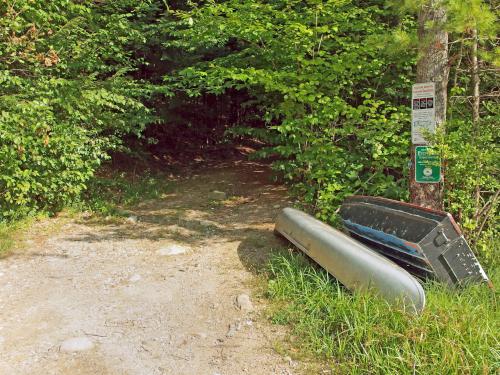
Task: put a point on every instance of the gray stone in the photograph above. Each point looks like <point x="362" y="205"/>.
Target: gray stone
<point x="77" y="344"/>
<point x="244" y="303"/>
<point x="132" y="219"/>
<point x="233" y="328"/>
<point x="231" y="332"/>
<point x="217" y="195"/>
<point x="172" y="250"/>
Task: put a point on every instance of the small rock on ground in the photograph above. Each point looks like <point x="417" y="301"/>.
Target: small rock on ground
<point x="244" y="303"/>
<point x="233" y="328"/>
<point x="77" y="344"/>
<point x="132" y="219"/>
<point x="172" y="250"/>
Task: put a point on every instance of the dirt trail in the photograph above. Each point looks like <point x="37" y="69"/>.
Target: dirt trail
<point x="132" y="308"/>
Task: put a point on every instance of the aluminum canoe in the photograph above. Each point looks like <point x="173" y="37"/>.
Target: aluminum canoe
<point x="353" y="264"/>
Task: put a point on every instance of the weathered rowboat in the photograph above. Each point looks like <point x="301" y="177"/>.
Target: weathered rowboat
<point x="350" y="262"/>
<point x="427" y="243"/>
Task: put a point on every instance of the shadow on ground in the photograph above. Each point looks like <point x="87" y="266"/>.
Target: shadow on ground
<point x="188" y="215"/>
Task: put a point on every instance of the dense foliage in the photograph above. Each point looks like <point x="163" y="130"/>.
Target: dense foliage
<point x="334" y="103"/>
<point x="332" y="82"/>
<point x="324" y="84"/>
<point x="66" y="98"/>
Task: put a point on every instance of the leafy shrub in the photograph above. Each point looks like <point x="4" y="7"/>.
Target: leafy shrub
<point x="65" y="98"/>
<point x="472" y="183"/>
<point x="332" y="81"/>
<point x="330" y="97"/>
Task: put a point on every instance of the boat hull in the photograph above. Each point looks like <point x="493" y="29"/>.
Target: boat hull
<point x="350" y="262"/>
<point x="427" y="243"/>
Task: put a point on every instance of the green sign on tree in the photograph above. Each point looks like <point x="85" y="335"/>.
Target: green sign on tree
<point x="427" y="165"/>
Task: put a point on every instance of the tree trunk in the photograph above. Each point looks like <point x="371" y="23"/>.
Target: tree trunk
<point x="475" y="103"/>
<point x="432" y="66"/>
<point x="475" y="82"/>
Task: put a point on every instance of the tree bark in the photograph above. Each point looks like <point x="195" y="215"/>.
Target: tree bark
<point x="475" y="102"/>
<point x="475" y="82"/>
<point x="432" y="66"/>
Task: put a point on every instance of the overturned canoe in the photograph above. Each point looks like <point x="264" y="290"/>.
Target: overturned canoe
<point x="427" y="243"/>
<point x="350" y="262"/>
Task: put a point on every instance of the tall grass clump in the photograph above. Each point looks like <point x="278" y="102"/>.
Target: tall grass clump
<point x="361" y="334"/>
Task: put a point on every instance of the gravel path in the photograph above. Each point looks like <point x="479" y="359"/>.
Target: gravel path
<point x="168" y="291"/>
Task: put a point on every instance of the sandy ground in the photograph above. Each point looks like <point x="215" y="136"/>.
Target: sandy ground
<point x="132" y="308"/>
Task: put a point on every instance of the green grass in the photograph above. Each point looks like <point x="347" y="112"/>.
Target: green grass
<point x="7" y="238"/>
<point x="113" y="192"/>
<point x="12" y="234"/>
<point x="361" y="334"/>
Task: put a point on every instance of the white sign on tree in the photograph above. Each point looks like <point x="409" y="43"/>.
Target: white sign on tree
<point x="423" y="114"/>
